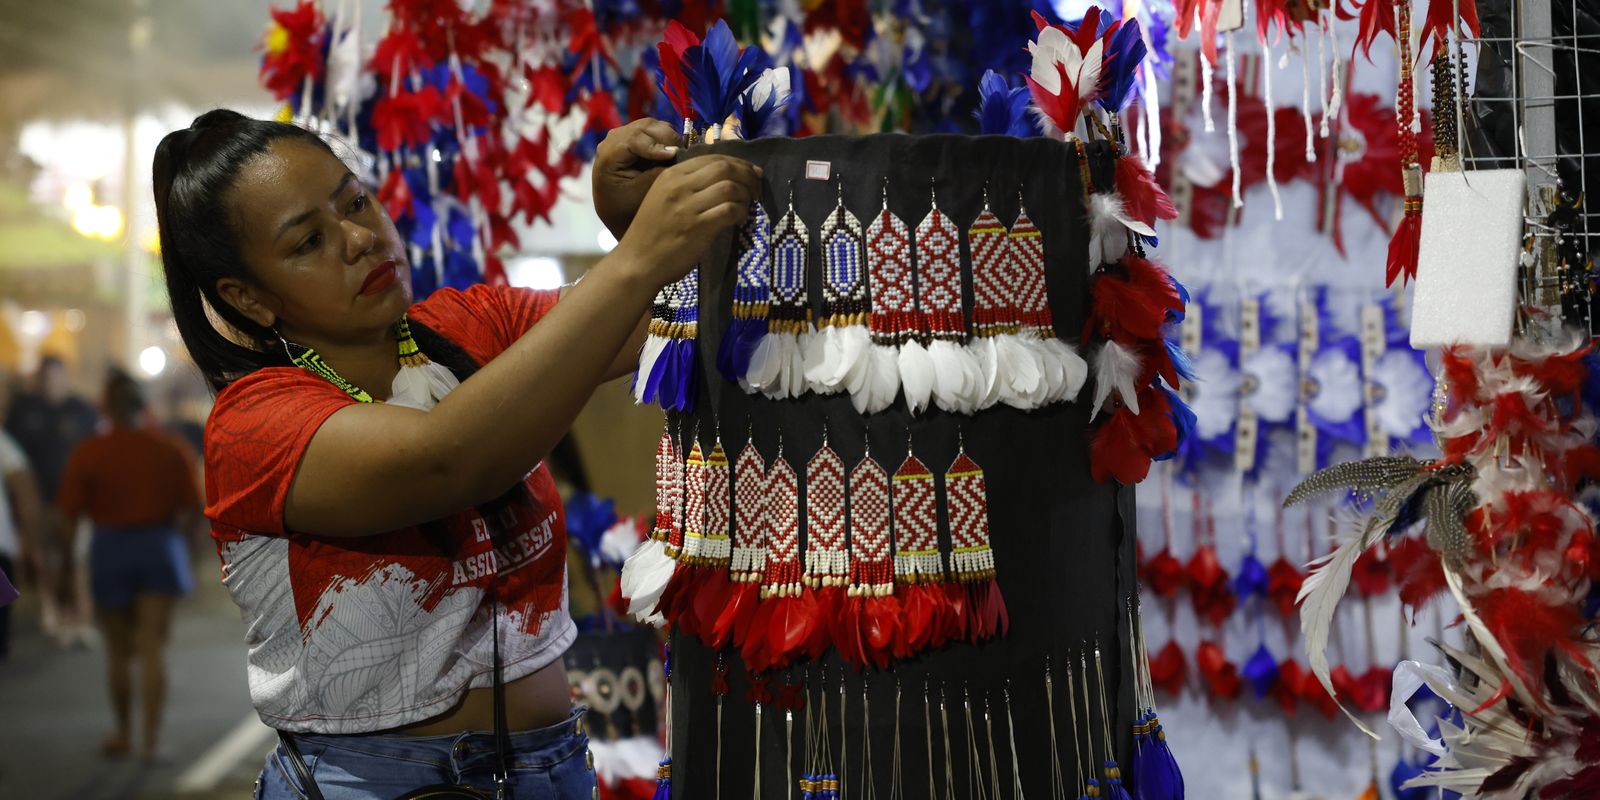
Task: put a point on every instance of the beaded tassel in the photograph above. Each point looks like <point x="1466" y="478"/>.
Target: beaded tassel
<point x="837" y="358"/>
<point x="785" y="619"/>
<point x="752" y="291"/>
<point x="748" y="562"/>
<point x="826" y="562"/>
<point x="872" y="614"/>
<point x="684" y="537"/>
<point x="971" y="558"/>
<point x="647" y="378"/>
<point x="649" y="569"/>
<point x="917" y="567"/>
<point x="897" y="356"/>
<point x="957" y="377"/>
<point x="700" y="588"/>
<point x="778" y="369"/>
<point x="1012" y="373"/>
<point x="1064" y="370"/>
<point x="1403" y="246"/>
<point x="671" y="351"/>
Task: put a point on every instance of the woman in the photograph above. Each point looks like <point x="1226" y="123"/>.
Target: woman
<point x="137" y="486"/>
<point x="384" y="553"/>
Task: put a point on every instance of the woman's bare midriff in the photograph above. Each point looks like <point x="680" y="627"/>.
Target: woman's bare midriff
<point x="532" y="701"/>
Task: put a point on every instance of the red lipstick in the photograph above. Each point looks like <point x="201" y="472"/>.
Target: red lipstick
<point x="381" y="277"/>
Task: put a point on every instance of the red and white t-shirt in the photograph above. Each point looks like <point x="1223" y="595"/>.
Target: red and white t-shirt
<point x="360" y="634"/>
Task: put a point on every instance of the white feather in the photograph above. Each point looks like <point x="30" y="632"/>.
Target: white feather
<point x="883" y="379"/>
<point x="648" y="355"/>
<point x="820" y="354"/>
<point x="619" y="541"/>
<point x="991" y="376"/>
<point x="1088" y="75"/>
<point x="792" y="375"/>
<point x="644" y="577"/>
<point x="421" y="387"/>
<point x="1022" y="366"/>
<point x="1074" y="370"/>
<point x="763" y="369"/>
<point x="958" y="378"/>
<point x="1115" y="369"/>
<point x="1319" y="598"/>
<point x="916" y="375"/>
<point x="856" y="344"/>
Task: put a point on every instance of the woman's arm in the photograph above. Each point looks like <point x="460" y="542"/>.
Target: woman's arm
<point x="371" y="467"/>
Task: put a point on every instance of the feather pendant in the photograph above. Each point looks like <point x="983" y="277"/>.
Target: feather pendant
<point x="871" y="603"/>
<point x="778" y="367"/>
<point x="1011" y="372"/>
<point x="893" y="318"/>
<point x="717" y="72"/>
<point x="1319" y="598"/>
<point x="1063" y="370"/>
<point x="783" y="621"/>
<point x="1116" y="368"/>
<point x="748" y="562"/>
<point x="844" y="314"/>
<point x="646" y="379"/>
<point x="648" y="570"/>
<point x="957" y="376"/>
<point x="747" y="322"/>
<point x="677" y="600"/>
<point x="827" y="565"/>
<point x="1109" y="224"/>
<point x="918" y="569"/>
<point x="971" y="557"/>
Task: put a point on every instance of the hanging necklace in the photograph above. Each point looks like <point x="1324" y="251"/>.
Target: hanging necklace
<point x="420" y="383"/>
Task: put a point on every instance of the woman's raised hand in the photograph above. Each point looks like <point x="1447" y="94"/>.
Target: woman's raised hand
<point x="688" y="205"/>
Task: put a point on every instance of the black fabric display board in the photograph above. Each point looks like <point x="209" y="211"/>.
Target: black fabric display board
<point x="1063" y="544"/>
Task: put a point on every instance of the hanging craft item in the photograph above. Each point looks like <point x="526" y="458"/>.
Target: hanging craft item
<point x="826" y="563"/>
<point x="872" y="612"/>
<point x="748" y="563"/>
<point x="1408" y="235"/>
<point x="778" y="368"/>
<point x="836" y="358"/>
<point x="1064" y="371"/>
<point x="957" y="377"/>
<point x="897" y="356"/>
<point x="700" y="587"/>
<point x="918" y="569"/>
<point x="669" y="362"/>
<point x="646" y="573"/>
<point x="1154" y="771"/>
<point x="971" y="559"/>
<point x="786" y="617"/>
<point x="1013" y="372"/>
<point x="752" y="291"/>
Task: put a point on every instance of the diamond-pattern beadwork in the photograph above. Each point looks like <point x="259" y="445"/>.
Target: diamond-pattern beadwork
<point x="826" y="562"/>
<point x="916" y="524"/>
<point x="1033" y="302"/>
<point x="691" y="534"/>
<point x="967" y="501"/>
<point x="993" y="312"/>
<point x="749" y="520"/>
<point x="782" y="524"/>
<point x="895" y="318"/>
<point x="938" y="257"/>
<point x="871" y="563"/>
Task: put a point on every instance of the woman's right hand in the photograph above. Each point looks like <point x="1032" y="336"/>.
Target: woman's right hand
<point x="690" y="203"/>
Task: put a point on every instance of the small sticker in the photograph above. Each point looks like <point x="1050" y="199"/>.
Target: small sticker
<point x="819" y="170"/>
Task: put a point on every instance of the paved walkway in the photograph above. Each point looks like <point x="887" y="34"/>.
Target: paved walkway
<point x="54" y="712"/>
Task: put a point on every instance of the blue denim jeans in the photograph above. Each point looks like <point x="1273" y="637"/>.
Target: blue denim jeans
<point x="546" y="763"/>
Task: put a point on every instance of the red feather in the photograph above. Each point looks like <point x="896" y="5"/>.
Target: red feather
<point x="1562" y="374"/>
<point x="1142" y="197"/>
<point x="675" y="82"/>
<point x="1377" y="17"/>
<point x="1220" y="675"/>
<point x="1441" y="19"/>
<point x="1164" y="573"/>
<point x="732" y="623"/>
<point x="829" y="610"/>
<point x="1404" y="245"/>
<point x="987" y="617"/>
<point x="1168" y="668"/>
<point x="1530" y="631"/>
<point x="1061" y="109"/>
<point x="1110" y="454"/>
<point x="919" y="609"/>
<point x="1283" y="585"/>
<point x="1417" y="571"/>
<point x="953" y="614"/>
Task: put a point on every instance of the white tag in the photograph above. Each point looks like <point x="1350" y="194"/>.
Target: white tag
<point x="1244" y="440"/>
<point x="819" y="170"/>
<point x="1305" y="432"/>
<point x="1373" y="345"/>
<point x="1467" y="262"/>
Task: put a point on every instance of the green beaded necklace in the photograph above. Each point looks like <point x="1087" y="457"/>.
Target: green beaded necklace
<point x="308" y="359"/>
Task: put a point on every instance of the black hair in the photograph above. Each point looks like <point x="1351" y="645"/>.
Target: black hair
<point x="193" y="173"/>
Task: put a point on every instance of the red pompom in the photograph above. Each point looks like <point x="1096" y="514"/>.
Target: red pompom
<point x="1283" y="585"/>
<point x="1168" y="668"/>
<point x="1209" y="591"/>
<point x="1164" y="573"/>
<point x="1221" y="676"/>
<point x="1291" y="682"/>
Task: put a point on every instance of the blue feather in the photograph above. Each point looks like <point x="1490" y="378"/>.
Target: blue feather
<point x="1180" y="359"/>
<point x="1121" y="67"/>
<point x="738" y="346"/>
<point x="1113" y="788"/>
<point x="764" y="119"/>
<point x="1591" y="380"/>
<point x="718" y="72"/>
<point x="1002" y="109"/>
<point x="1182" y="418"/>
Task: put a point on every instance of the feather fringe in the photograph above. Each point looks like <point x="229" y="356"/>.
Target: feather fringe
<point x="649" y="357"/>
<point x="916" y="369"/>
<point x="958" y="378"/>
<point x="1116" y="368"/>
<point x="645" y="576"/>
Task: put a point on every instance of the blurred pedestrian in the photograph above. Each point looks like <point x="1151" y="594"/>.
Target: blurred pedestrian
<point x="137" y="486"/>
<point x="20" y="520"/>
<point x="48" y="421"/>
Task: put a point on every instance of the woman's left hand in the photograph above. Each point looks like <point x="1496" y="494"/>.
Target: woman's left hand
<point x="625" y="166"/>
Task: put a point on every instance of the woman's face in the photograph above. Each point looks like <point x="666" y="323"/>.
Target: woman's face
<point x="325" y="261"/>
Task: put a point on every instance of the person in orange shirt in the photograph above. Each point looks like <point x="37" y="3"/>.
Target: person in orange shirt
<point x="137" y="485"/>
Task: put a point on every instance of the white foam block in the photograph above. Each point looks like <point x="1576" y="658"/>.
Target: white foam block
<point x="1466" y="289"/>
